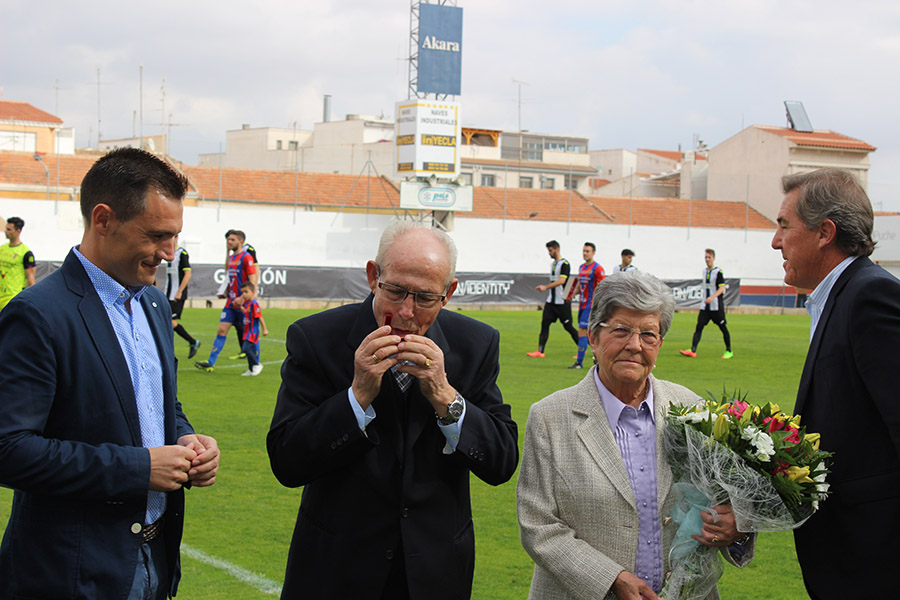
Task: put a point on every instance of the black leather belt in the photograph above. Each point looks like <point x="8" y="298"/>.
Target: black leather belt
<point x="152" y="531"/>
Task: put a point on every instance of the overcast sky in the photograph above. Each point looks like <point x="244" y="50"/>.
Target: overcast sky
<point x="648" y="74"/>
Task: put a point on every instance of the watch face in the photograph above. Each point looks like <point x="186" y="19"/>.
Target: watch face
<point x="456" y="408"/>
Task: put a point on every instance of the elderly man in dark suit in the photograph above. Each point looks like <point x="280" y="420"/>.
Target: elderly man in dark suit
<point x="382" y="421"/>
<point x="848" y="390"/>
<point x="92" y="436"/>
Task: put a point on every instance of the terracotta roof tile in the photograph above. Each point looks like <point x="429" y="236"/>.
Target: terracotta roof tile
<point x="822" y="138"/>
<point x="331" y="191"/>
<point x="547" y="205"/>
<point x="313" y="189"/>
<point x="22" y="111"/>
<point x="21" y="168"/>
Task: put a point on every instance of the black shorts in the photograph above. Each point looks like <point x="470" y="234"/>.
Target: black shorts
<point x="716" y="316"/>
<point x="552" y="312"/>
<point x="177" y="306"/>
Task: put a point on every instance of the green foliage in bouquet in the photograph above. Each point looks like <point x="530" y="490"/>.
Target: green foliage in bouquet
<point x="770" y="442"/>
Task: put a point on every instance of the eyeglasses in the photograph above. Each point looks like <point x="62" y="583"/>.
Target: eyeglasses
<point x="649" y="339"/>
<point x="423" y="300"/>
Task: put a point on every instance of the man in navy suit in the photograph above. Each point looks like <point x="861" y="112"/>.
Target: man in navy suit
<point x="382" y="423"/>
<point x="848" y="390"/>
<point x="92" y="436"/>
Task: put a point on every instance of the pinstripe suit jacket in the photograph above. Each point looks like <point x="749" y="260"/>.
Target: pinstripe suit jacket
<point x="576" y="507"/>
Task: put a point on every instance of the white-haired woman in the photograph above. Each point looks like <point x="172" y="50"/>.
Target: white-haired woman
<point x="594" y="488"/>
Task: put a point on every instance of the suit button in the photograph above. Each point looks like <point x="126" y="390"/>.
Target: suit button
<point x="346" y="437"/>
<point x="389" y="554"/>
<point x="339" y="442"/>
<point x="136" y="528"/>
<point x="333" y="445"/>
<point x="404" y="513"/>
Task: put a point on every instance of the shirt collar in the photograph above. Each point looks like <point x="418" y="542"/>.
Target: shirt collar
<point x="815" y="302"/>
<point x="614" y="407"/>
<point x="111" y="292"/>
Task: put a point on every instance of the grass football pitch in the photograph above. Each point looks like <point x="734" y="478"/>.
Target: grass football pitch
<point x="237" y="532"/>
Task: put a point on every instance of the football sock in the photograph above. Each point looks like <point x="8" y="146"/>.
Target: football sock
<point x="181" y="331"/>
<point x="582" y="348"/>
<point x="217" y="347"/>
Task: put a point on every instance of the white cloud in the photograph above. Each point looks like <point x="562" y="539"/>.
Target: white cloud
<point x="648" y="74"/>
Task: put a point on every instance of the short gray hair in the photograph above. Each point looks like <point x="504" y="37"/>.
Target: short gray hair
<point x="632" y="290"/>
<point x="398" y="229"/>
<point x="835" y="194"/>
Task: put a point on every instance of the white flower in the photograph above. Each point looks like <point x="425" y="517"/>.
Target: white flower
<point x="698" y="417"/>
<point x="821" y="485"/>
<point x="761" y="441"/>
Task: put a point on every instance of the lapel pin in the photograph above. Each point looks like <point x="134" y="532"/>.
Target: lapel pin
<point x="154" y="304"/>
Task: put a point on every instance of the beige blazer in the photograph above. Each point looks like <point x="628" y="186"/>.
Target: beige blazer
<point x="575" y="503"/>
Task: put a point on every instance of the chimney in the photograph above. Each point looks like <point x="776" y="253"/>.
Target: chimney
<point x="326" y="109"/>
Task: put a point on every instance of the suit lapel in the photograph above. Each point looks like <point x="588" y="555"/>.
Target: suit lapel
<point x="816" y="342"/>
<point x="101" y="332"/>
<point x="598" y="438"/>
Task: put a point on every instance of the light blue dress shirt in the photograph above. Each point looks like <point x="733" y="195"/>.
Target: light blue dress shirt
<point x="815" y="302"/>
<point x="137" y="343"/>
<point x="634" y="430"/>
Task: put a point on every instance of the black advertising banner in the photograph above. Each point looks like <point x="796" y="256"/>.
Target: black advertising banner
<point x="351" y="284"/>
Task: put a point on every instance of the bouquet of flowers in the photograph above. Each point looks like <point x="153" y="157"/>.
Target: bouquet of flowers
<point x="758" y="459"/>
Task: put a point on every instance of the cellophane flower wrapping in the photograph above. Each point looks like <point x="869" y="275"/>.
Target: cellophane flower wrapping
<point x="757" y="459"/>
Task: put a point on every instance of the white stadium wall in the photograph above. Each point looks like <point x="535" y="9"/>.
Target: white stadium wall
<point x="329" y="239"/>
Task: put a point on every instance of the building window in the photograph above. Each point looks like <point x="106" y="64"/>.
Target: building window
<point x="547" y="183"/>
<point x="487" y="180"/>
<point x="292" y="145"/>
<point x="526" y="182"/>
<point x="278" y="144"/>
<point x="465" y="179"/>
<point x="570" y="183"/>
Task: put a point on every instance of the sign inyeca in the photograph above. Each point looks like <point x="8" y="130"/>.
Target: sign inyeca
<point x="427" y="139"/>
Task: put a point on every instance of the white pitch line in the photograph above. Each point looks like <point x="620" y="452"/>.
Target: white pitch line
<point x="260" y="582"/>
<point x="238" y="366"/>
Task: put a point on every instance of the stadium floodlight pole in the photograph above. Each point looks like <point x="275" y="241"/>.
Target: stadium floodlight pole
<point x="140" y="107"/>
<point x="56" y="200"/>
<point x="571" y="185"/>
<point x="630" y="202"/>
<point x="296" y="165"/>
<point x="38" y="158"/>
<point x="747" y="210"/>
<point x="505" y="188"/>
<point x="219" y="205"/>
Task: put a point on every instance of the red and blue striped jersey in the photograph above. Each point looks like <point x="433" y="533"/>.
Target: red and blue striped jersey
<point x="589" y="275"/>
<point x="240" y="266"/>
<point x="252" y="313"/>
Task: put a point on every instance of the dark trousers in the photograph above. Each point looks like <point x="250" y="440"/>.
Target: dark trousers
<point x="251" y="349"/>
<point x="717" y="317"/>
<point x="552" y="312"/>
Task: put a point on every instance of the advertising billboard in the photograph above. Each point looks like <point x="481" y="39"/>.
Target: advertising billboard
<point x="427" y="139"/>
<point x="417" y="195"/>
<point x="440" y="49"/>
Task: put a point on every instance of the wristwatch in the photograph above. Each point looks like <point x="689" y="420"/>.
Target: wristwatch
<point x="454" y="411"/>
